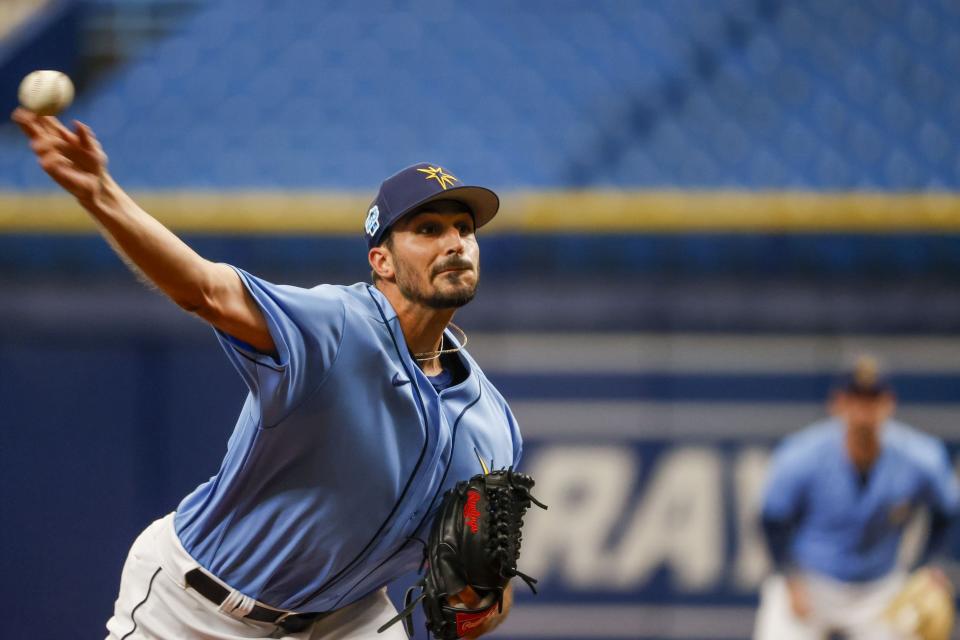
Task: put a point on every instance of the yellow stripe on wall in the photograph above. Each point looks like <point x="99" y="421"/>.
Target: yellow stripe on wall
<point x="259" y="212"/>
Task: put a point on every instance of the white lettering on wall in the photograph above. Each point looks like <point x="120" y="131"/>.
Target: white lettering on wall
<point x="678" y="523"/>
<point x="586" y="489"/>
<point x="606" y="530"/>
<point x="751" y="562"/>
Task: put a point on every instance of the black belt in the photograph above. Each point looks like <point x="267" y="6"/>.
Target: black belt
<point x="217" y="593"/>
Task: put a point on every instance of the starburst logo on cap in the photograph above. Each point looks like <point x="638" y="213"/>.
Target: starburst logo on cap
<point x="446" y="180"/>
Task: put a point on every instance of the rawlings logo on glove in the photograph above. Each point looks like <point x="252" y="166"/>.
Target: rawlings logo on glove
<point x="474" y="542"/>
<point x="466" y="622"/>
<point x="470" y="512"/>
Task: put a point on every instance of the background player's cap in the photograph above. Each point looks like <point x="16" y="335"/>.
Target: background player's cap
<point x="417" y="185"/>
<point x="866" y="378"/>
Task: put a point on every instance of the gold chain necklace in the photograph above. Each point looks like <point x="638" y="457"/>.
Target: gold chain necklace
<point x="433" y="355"/>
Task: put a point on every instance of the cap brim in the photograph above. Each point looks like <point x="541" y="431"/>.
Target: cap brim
<point x="868" y="392"/>
<point x="483" y="202"/>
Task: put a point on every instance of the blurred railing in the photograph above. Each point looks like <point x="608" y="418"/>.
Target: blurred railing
<point x="115" y="31"/>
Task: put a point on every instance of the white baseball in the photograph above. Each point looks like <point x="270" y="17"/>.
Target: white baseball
<point x="46" y="92"/>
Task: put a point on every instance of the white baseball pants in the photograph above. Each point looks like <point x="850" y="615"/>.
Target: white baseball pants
<point x="854" y="609"/>
<point x="155" y="602"/>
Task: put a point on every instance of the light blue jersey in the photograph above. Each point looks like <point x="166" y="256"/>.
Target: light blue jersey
<point x="841" y="524"/>
<point x="340" y="453"/>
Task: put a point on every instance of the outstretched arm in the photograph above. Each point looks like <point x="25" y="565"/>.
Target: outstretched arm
<point x="76" y="161"/>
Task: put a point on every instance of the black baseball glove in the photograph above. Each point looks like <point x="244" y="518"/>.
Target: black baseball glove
<point x="474" y="542"/>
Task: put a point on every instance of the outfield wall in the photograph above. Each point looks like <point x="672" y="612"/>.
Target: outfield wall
<point x="649" y="446"/>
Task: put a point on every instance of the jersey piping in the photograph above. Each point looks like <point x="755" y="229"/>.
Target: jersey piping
<point x="429" y="509"/>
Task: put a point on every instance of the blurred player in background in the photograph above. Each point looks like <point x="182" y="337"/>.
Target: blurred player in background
<point x="363" y="408"/>
<point x="838" y="497"/>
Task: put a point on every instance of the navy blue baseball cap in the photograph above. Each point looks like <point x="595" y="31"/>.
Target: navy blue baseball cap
<point x="866" y="379"/>
<point x="417" y="185"/>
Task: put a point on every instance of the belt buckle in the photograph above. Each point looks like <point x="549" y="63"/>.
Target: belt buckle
<point x="292" y="622"/>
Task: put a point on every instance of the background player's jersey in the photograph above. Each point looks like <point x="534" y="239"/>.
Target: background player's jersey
<point x="847" y="526"/>
<point x="339" y="454"/>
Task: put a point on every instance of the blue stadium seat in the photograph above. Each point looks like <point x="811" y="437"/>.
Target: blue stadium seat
<point x="808" y="94"/>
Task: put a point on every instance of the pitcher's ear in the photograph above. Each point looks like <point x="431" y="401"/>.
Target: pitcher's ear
<point x="381" y="262"/>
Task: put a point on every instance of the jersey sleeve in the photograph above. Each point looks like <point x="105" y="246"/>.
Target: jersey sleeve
<point x="782" y="505"/>
<point x="783" y="493"/>
<point x="517" y="438"/>
<point x="944" y="490"/>
<point x="307" y="328"/>
<point x="943" y="496"/>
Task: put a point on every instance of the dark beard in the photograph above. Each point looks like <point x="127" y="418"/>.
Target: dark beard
<point x="452" y="301"/>
<point x="436" y="299"/>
